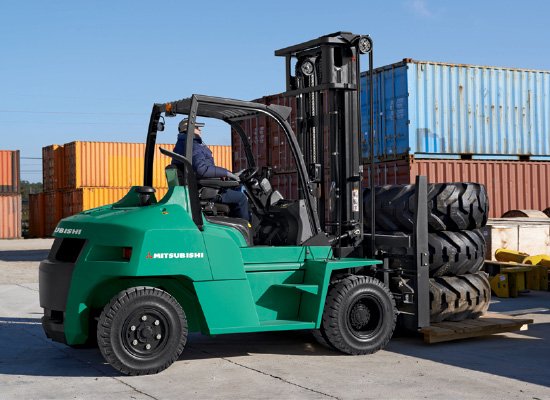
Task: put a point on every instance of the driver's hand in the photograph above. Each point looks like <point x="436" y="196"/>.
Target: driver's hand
<point x="232" y="176"/>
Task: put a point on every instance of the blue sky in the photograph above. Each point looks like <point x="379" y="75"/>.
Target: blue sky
<point x="91" y="70"/>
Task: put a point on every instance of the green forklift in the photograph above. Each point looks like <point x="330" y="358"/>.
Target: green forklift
<point x="139" y="275"/>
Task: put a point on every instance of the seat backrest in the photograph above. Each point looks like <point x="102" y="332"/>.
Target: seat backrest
<point x="178" y="175"/>
<point x="174" y="175"/>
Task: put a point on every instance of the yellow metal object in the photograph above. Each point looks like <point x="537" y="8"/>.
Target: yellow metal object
<point x="499" y="285"/>
<point x="533" y="278"/>
<point x="516" y="279"/>
<point x="539" y="259"/>
<point x="507" y="280"/>
<point x="507" y="255"/>
<point x="538" y="278"/>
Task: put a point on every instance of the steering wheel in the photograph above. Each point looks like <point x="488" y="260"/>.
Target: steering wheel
<point x="247" y="174"/>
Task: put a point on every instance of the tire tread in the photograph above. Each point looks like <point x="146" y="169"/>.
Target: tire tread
<point x="106" y="320"/>
<point x="451" y="207"/>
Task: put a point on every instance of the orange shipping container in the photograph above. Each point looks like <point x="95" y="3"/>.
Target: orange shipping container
<point x="114" y="164"/>
<point x="53" y="210"/>
<point x="37" y="221"/>
<point x="53" y="176"/>
<point x="222" y="156"/>
<point x="9" y="171"/>
<point x="10" y="216"/>
<point x="75" y="201"/>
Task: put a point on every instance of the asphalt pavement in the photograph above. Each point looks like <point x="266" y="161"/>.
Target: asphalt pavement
<point x="287" y="365"/>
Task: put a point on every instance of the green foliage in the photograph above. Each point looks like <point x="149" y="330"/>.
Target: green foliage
<point x="29" y="187"/>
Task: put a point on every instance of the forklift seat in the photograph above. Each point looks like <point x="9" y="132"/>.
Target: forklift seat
<point x="206" y="196"/>
<point x="211" y="209"/>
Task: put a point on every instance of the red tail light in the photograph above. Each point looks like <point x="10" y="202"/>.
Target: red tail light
<point x="126" y="253"/>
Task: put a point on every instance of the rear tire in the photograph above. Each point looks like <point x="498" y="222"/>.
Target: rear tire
<point x="143" y="330"/>
<point x="320" y="337"/>
<point x="359" y="315"/>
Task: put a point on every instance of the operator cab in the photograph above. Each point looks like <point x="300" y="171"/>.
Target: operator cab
<point x="275" y="221"/>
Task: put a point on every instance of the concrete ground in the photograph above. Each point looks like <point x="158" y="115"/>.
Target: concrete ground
<point x="287" y="365"/>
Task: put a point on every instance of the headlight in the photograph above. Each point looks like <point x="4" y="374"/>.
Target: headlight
<point x="365" y="44"/>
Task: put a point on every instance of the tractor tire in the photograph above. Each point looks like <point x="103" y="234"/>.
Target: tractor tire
<point x="320" y="337"/>
<point x="451" y="207"/>
<point x="456" y="253"/>
<point x="143" y="330"/>
<point x="450" y="253"/>
<point x="359" y="315"/>
<point x="456" y="298"/>
<point x="319" y="334"/>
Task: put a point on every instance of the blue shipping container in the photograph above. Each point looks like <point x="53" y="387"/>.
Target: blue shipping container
<point x="437" y="110"/>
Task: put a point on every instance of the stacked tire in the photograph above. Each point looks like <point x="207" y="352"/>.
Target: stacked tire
<point x="456" y="212"/>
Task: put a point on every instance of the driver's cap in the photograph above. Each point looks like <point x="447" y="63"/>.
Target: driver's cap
<point x="182" y="127"/>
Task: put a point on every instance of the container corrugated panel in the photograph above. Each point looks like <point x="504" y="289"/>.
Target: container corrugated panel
<point x="9" y="171"/>
<point x="511" y="185"/>
<point x="274" y="149"/>
<point x="36" y="215"/>
<point x="430" y="110"/>
<point x="109" y="164"/>
<point x="53" y="210"/>
<point x="287" y="184"/>
<point x="113" y="164"/>
<point x="396" y="172"/>
<point x="276" y="152"/>
<point x="59" y="178"/>
<point x="78" y="200"/>
<point x="10" y="216"/>
<point x="48" y="166"/>
<point x="222" y="156"/>
<point x="53" y="167"/>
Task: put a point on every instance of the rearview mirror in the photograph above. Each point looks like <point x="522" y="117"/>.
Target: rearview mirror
<point x="160" y="125"/>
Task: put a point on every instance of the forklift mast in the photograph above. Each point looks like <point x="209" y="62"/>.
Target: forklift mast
<point x="324" y="76"/>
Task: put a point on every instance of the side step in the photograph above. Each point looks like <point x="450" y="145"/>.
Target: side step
<point x="313" y="289"/>
<point x="487" y="324"/>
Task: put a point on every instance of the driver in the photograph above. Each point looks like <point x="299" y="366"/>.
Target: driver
<point x="204" y="167"/>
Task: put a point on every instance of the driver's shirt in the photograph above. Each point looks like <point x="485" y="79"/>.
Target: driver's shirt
<point x="203" y="161"/>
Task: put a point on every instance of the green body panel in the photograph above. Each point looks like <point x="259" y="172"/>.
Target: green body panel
<point x="275" y="302"/>
<point x="268" y="254"/>
<point x="227" y="304"/>
<point x="223" y="286"/>
<point x="224" y="252"/>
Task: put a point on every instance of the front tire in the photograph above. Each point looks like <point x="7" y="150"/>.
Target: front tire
<point x="143" y="330"/>
<point x="359" y="315"/>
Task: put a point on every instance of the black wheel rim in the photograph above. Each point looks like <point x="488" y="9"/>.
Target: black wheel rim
<point x="145" y="332"/>
<point x="364" y="317"/>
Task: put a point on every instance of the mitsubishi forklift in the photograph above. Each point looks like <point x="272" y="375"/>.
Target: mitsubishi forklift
<point x="137" y="276"/>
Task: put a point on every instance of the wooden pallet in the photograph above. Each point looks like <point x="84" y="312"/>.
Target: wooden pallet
<point x="488" y="324"/>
